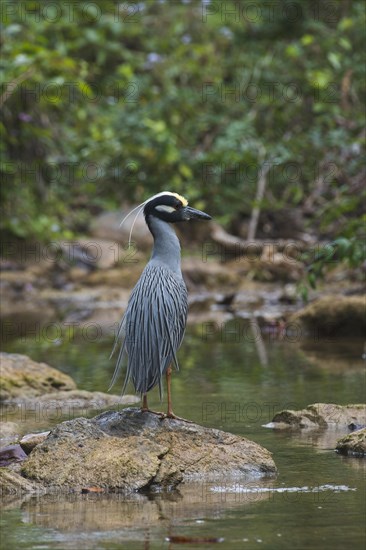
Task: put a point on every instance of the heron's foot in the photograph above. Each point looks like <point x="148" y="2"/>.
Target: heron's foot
<point x="161" y="414"/>
<point x="173" y="416"/>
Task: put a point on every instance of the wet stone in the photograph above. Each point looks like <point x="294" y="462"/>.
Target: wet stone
<point x="11" y="454"/>
<point x="135" y="451"/>
<point x="30" y="441"/>
<point x="320" y="415"/>
<point x="353" y="444"/>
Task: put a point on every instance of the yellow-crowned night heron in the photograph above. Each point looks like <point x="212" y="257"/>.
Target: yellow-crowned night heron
<point x="152" y="328"/>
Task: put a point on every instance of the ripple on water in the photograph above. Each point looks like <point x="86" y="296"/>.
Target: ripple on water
<point x="320" y="488"/>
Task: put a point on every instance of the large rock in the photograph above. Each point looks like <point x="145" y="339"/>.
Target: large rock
<point x="320" y="415"/>
<point x="334" y="315"/>
<point x="133" y="450"/>
<point x="21" y="377"/>
<point x="353" y="444"/>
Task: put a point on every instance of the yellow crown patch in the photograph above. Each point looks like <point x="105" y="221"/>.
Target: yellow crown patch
<point x="181" y="199"/>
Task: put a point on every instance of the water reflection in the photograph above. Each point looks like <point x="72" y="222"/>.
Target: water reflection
<point x="111" y="512"/>
<point x="196" y="512"/>
<point x="321" y="438"/>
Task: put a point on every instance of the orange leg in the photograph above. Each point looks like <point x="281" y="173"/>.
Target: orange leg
<point x="170" y="413"/>
<point x="145" y="408"/>
<point x="144" y="403"/>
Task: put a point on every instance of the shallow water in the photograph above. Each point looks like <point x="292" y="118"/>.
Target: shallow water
<point x="235" y="384"/>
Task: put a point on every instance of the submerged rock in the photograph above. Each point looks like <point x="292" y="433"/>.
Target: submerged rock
<point x="320" y="415"/>
<point x="133" y="450"/>
<point x="353" y="444"/>
<point x="334" y="315"/>
<point x="22" y="377"/>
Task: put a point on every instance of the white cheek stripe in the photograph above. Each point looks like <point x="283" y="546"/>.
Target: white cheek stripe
<point x="165" y="208"/>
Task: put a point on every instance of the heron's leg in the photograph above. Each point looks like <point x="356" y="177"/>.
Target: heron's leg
<point x="144" y="403"/>
<point x="145" y="408"/>
<point x="170" y="413"/>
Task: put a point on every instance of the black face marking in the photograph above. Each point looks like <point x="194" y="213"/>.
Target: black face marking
<point x="164" y="207"/>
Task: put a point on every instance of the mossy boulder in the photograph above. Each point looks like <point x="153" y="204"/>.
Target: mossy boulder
<point x="21" y="377"/>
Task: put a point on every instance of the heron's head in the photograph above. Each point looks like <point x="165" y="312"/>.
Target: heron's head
<point x="172" y="208"/>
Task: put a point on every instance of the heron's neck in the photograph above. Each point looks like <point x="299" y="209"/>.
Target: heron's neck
<point x="166" y="248"/>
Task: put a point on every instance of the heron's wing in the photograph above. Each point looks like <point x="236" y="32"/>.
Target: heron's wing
<point x="174" y="317"/>
<point x="153" y="327"/>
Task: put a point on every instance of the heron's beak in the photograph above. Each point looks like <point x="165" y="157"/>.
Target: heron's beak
<point x="193" y="214"/>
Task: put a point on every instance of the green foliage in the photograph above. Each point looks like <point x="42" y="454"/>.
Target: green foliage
<point x="105" y="102"/>
<point x="351" y="251"/>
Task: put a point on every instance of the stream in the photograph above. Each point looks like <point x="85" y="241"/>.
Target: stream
<point x="231" y="381"/>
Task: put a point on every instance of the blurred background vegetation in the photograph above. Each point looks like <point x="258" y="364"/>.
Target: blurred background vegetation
<point x="105" y="103"/>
